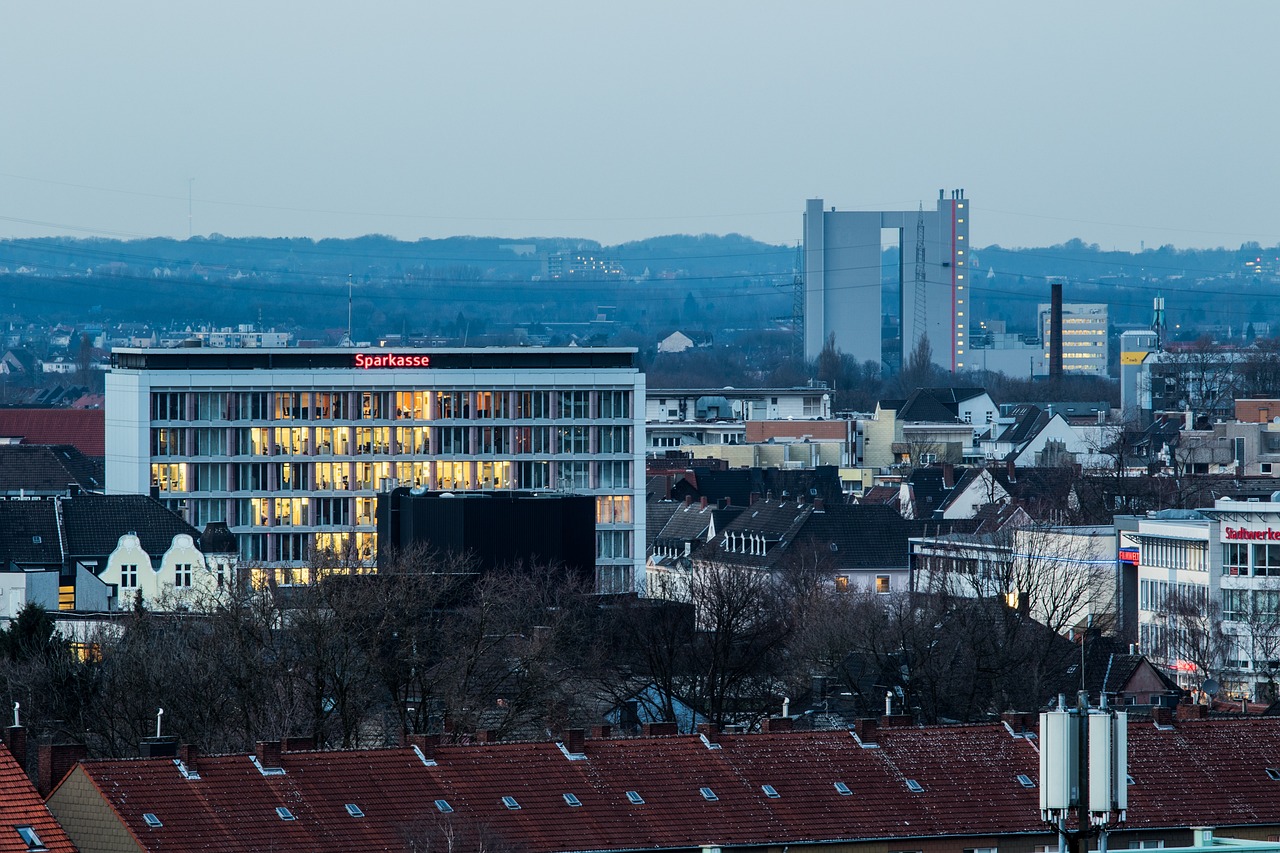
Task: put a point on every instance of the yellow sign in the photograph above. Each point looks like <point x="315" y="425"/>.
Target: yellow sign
<point x="1133" y="357"/>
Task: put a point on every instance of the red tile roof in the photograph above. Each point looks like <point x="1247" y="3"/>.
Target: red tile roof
<point x="1210" y="772"/>
<point x="85" y="428"/>
<point x="20" y="805"/>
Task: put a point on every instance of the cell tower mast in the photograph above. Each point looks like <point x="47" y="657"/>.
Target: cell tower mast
<point x="797" y="307"/>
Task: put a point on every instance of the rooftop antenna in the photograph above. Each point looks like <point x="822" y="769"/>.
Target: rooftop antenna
<point x="797" y="306"/>
<point x="347" y="340"/>
<point x="921" y="316"/>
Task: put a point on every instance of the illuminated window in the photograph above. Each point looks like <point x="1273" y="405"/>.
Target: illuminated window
<point x="882" y="584"/>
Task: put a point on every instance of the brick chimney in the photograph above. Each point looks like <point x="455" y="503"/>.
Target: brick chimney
<point x="602" y="732"/>
<point x="866" y="729"/>
<point x="56" y="759"/>
<point x="15" y="737"/>
<point x="948" y="475"/>
<point x="710" y="732"/>
<point x="298" y="744"/>
<point x="189" y="755"/>
<point x="890" y="721"/>
<point x="702" y="502"/>
<point x="688" y="499"/>
<point x="819" y="505"/>
<point x="1162" y="716"/>
<point x="1191" y="712"/>
<point x="659" y="729"/>
<point x="487" y="736"/>
<point x="268" y="752"/>
<point x="1016" y="720"/>
<point x="426" y="744"/>
<point x="575" y="740"/>
<point x="778" y="724"/>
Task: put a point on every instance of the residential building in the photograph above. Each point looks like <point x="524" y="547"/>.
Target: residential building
<point x="293" y="447"/>
<point x="94" y="552"/>
<point x="843" y="288"/>
<point x="883" y="785"/>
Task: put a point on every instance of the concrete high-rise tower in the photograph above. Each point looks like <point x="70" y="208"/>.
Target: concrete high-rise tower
<point x="843" y="291"/>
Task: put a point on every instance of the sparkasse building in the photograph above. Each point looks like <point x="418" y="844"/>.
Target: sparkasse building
<point x="291" y="447"/>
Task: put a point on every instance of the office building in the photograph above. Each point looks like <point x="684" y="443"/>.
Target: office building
<point x="843" y="281"/>
<point x="292" y="447"/>
<point x="1084" y="338"/>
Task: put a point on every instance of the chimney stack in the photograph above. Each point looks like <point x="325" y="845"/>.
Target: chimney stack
<point x="1055" y="330"/>
<point x="426" y="744"/>
<point x="15" y="737"/>
<point x="949" y="475"/>
<point x="189" y="754"/>
<point x="1162" y="716"/>
<point x="268" y="752"/>
<point x="602" y="732"/>
<point x="56" y="759"/>
<point x="866" y="729"/>
<point x="575" y="741"/>
<point x="298" y="744"/>
<point x="1016" y="720"/>
<point x="660" y="729"/>
<point x="779" y="724"/>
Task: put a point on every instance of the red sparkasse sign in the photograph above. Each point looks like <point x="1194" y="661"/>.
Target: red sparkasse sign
<point x="1244" y="533"/>
<point x="392" y="360"/>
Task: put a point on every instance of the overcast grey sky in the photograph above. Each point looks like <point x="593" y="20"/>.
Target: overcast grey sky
<point x="1116" y="122"/>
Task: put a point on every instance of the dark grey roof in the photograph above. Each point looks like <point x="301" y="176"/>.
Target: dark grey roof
<point x="923" y="407"/>
<point x="91" y="526"/>
<point x="688" y="523"/>
<point x="28" y="534"/>
<point x="1028" y="421"/>
<point x="656" y="516"/>
<point x="47" y="469"/>
<point x="95" y="523"/>
<point x="856" y="537"/>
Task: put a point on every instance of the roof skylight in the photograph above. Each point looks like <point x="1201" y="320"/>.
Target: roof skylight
<point x="770" y="792"/>
<point x="284" y="813"/>
<point x="151" y="820"/>
<point x="708" y="794"/>
<point x="842" y="789"/>
<point x="1273" y="774"/>
<point x="29" y="837"/>
<point x="510" y="802"/>
<point x="635" y="798"/>
<point x="1025" y="781"/>
<point x="572" y="799"/>
<point x="443" y="806"/>
<point x="914" y="786"/>
<point x="354" y="810"/>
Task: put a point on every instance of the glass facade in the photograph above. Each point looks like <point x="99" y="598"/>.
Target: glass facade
<point x="295" y="467"/>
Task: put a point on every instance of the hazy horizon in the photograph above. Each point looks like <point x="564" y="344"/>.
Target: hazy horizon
<point x="1118" y="124"/>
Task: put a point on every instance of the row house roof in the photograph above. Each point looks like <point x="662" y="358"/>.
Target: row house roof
<point x="666" y="793"/>
<point x="47" y="469"/>
<point x="21" y="808"/>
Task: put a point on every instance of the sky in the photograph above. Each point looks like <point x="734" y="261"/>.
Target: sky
<point x="1120" y="123"/>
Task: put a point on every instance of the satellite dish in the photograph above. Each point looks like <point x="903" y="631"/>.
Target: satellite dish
<point x="1211" y="687"/>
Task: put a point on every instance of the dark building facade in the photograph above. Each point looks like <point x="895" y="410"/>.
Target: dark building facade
<point x="497" y="529"/>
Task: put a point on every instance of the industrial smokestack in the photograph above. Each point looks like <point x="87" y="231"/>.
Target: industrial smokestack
<point x="1055" y="331"/>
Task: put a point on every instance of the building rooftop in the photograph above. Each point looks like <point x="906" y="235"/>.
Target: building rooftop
<point x="663" y="793"/>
